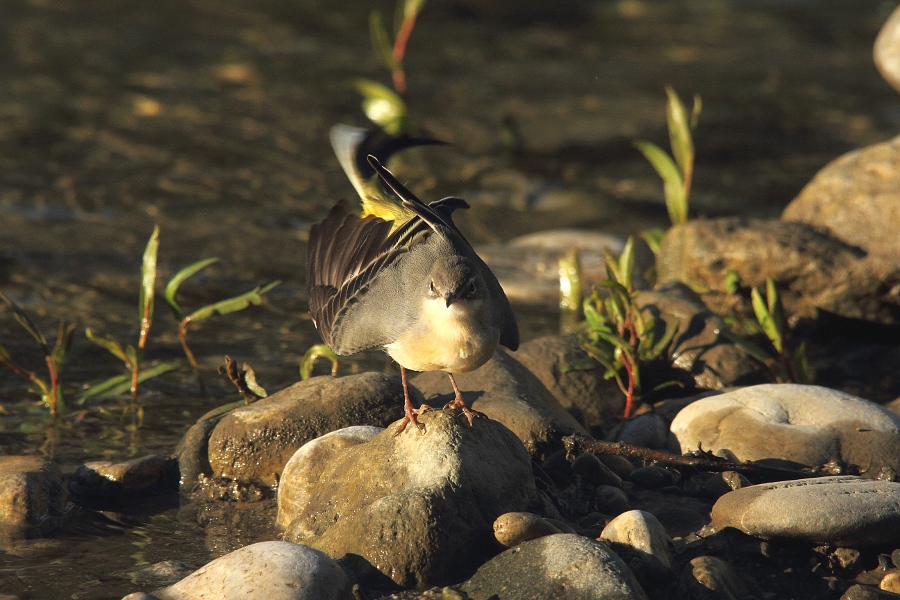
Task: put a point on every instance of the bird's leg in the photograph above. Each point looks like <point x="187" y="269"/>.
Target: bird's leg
<point x="409" y="411"/>
<point x="458" y="402"/>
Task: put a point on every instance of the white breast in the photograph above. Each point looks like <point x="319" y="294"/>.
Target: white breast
<point x="446" y="338"/>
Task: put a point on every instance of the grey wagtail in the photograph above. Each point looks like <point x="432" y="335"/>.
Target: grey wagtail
<point x="412" y="284"/>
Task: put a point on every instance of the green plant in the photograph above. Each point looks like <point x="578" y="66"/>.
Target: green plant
<point x="222" y="307"/>
<point x="132" y="355"/>
<point x="677" y="170"/>
<point x="382" y="105"/>
<point x="50" y="391"/>
<point x="571" y="298"/>
<point x="617" y="334"/>
<point x="787" y="362"/>
<point x="314" y="353"/>
<point x="392" y="54"/>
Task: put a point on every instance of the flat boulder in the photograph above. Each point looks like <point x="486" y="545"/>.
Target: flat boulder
<point x="841" y="510"/>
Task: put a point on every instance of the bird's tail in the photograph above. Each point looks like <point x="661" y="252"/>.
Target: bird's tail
<point x="353" y="145"/>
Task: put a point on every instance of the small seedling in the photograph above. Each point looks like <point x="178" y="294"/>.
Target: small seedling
<point x="571" y="298"/>
<point x="676" y="171"/>
<point x="382" y="105"/>
<point x="223" y="307"/>
<point x="787" y="364"/>
<point x="392" y="54"/>
<point x="131" y="355"/>
<point x="617" y="334"/>
<point x="314" y="353"/>
<point x="50" y="391"/>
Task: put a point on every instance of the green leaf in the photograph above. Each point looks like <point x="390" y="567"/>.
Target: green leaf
<point x="133" y="356"/>
<point x="148" y="282"/>
<point x="252" y="385"/>
<point x="659" y="347"/>
<point x="732" y="281"/>
<point x="570" y="292"/>
<point x="765" y="319"/>
<point x="679" y="131"/>
<point x="224" y="307"/>
<point x="673" y="182"/>
<point x="120" y="384"/>
<point x="383" y="106"/>
<point x="314" y="353"/>
<point x="583" y="364"/>
<point x="626" y="264"/>
<point x="381" y="41"/>
<point x="654" y="238"/>
<point x="25" y="321"/>
<point x="411" y="8"/>
<point x="63" y="344"/>
<point x="179" y="278"/>
<point x="108" y="342"/>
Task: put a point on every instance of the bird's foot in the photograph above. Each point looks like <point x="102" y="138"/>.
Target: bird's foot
<point x="467" y="412"/>
<point x="410" y="417"/>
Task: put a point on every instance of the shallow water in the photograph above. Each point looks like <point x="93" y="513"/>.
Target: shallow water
<point x="211" y="120"/>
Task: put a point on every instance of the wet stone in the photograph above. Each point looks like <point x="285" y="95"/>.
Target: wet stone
<point x="810" y="425"/>
<point x="555" y="567"/>
<point x="105" y="478"/>
<point x="841" y="510"/>
<point x="32" y="496"/>
<point x="252" y="443"/>
<point x="867" y="592"/>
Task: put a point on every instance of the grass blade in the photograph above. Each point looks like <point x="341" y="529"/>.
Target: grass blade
<point x="179" y="278"/>
<point x="231" y="305"/>
<point x="148" y="282"/>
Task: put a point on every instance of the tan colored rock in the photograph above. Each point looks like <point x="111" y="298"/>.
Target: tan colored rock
<point x="417" y="507"/>
<point x="711" y="578"/>
<point x="841" y="510"/>
<point x="807" y="424"/>
<point x="513" y="528"/>
<point x="505" y="390"/>
<point x="252" y="443"/>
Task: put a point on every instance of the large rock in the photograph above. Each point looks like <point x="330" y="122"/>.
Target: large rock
<point x="555" y="567"/>
<point x="585" y="392"/>
<point x="417" y="507"/>
<point x="807" y="424"/>
<point x="699" y="349"/>
<point x="812" y="269"/>
<point x="264" y="571"/>
<point x="253" y="443"/>
<point x="32" y="496"/>
<point x="505" y="390"/>
<point x="856" y="198"/>
<point x="841" y="510"/>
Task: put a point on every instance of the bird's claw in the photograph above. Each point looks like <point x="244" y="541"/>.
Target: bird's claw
<point x="410" y="417"/>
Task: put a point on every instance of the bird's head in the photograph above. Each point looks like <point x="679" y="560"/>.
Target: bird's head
<point x="456" y="280"/>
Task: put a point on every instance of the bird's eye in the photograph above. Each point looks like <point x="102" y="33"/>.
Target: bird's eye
<point x="470" y="290"/>
<point x="431" y="287"/>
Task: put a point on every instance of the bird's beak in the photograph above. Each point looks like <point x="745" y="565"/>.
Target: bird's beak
<point x="452" y="296"/>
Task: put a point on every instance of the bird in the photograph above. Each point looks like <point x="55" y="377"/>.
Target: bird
<point x="401" y="276"/>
